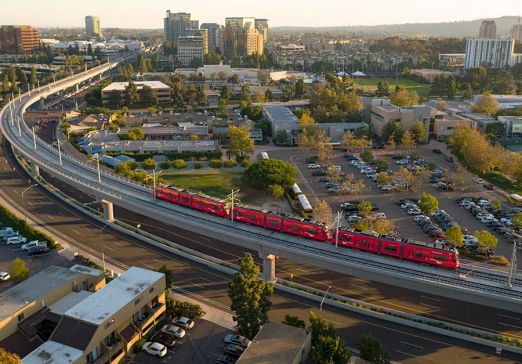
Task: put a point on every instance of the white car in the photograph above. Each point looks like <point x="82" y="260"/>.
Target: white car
<point x="421" y="218"/>
<point x="482" y="215"/>
<point x="183" y="322"/>
<point x="414" y="211"/>
<point x="30" y="244"/>
<point x="408" y="205"/>
<point x="402" y="162"/>
<point x="154" y="348"/>
<point x="470" y="240"/>
<point x="5" y="230"/>
<point x="4" y="276"/>
<point x="480" y="181"/>
<point x="353" y="218"/>
<point x="175" y="330"/>
<point x="314" y="166"/>
<point x="15" y="240"/>
<point x="386" y="187"/>
<point x="506" y="221"/>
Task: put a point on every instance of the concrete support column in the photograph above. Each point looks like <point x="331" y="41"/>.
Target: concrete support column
<point x="42" y="103"/>
<point x="35" y="170"/>
<point x="77" y="87"/>
<point x="269" y="274"/>
<point x="108" y="211"/>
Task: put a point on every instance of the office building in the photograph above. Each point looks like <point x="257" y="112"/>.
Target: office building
<point x="516" y="32"/>
<point x="262" y="28"/>
<point x="162" y="92"/>
<point x="203" y="33"/>
<point x="177" y="24"/>
<point x="93" y="27"/>
<point x="16" y="39"/>
<point x="488" y="29"/>
<point x="190" y="47"/>
<point x="496" y="53"/>
<point x="241" y="38"/>
<point x="215" y="38"/>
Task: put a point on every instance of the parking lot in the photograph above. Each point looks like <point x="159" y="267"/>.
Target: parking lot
<point x="386" y="200"/>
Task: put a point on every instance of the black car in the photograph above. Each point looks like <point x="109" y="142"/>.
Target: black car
<point x="225" y="359"/>
<point x="164" y="338"/>
<point x="319" y="173"/>
<point x="402" y="201"/>
<point x="488" y="186"/>
<point x="437" y="151"/>
<point x="234" y="351"/>
<point x="324" y="179"/>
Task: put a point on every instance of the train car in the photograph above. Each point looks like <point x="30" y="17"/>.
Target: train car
<point x="273" y="221"/>
<point x="305" y="228"/>
<point x="391" y="248"/>
<point x="305" y="204"/>
<point x="350" y="238"/>
<point x="209" y="205"/>
<point x="249" y="215"/>
<point x="167" y="193"/>
<point x="185" y="199"/>
<point x="431" y="253"/>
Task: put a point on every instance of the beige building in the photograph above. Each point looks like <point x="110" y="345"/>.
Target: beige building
<point x="241" y="38"/>
<point x="190" y="47"/>
<point x="15" y="39"/>
<point x="103" y="326"/>
<point x="161" y="91"/>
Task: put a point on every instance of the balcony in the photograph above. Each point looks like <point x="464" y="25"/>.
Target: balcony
<point x="110" y="349"/>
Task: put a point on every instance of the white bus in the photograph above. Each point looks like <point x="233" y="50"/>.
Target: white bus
<point x="263" y="156"/>
<point x="296" y="190"/>
<point x="305" y="205"/>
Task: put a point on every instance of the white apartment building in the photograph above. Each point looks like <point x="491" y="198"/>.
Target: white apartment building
<point x="497" y="53"/>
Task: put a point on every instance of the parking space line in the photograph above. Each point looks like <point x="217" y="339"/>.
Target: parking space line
<point x="510" y="317"/>
<point x="410" y="344"/>
<point x="51" y="217"/>
<point x="404" y="353"/>
<point x="108" y="247"/>
<point x="205" y="279"/>
<point x="148" y="266"/>
<point x="197" y="285"/>
<point x="431" y="306"/>
<point x="509" y="325"/>
<point x="431" y="298"/>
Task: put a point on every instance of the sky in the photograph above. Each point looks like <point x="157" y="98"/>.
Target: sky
<point x="150" y="13"/>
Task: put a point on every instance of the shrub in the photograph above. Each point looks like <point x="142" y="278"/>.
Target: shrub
<point x="216" y="163"/>
<point x="179" y="163"/>
<point x="197" y="165"/>
<point x="187" y="309"/>
<point x="246" y="163"/>
<point x="499" y="260"/>
<point x="276" y="190"/>
<point x="229" y="163"/>
<point x="149" y="163"/>
<point x="165" y="165"/>
<point x="138" y="344"/>
<point x="19" y="271"/>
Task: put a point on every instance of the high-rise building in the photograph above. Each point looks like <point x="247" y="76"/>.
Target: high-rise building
<point x="241" y="37"/>
<point x="516" y="32"/>
<point x="496" y="53"/>
<point x="488" y="29"/>
<point x="215" y="38"/>
<point x="93" y="26"/>
<point x="15" y="39"/>
<point x="262" y="27"/>
<point x="202" y="33"/>
<point x="190" y="47"/>
<point x="176" y="25"/>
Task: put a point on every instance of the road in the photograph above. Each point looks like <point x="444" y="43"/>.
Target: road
<point x="405" y="345"/>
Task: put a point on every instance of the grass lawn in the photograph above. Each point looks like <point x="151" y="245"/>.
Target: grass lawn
<point x="217" y="183"/>
<point x="499" y="180"/>
<point x="423" y="89"/>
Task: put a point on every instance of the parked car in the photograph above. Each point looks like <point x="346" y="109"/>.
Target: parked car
<point x="313" y="166"/>
<point x="237" y="340"/>
<point x="225" y="359"/>
<point x="183" y="322"/>
<point x="234" y="351"/>
<point x="37" y="250"/>
<point x="154" y="348"/>
<point x="175" y="330"/>
<point x="414" y="211"/>
<point x="353" y="218"/>
<point x="164" y="338"/>
<point x="4" y="276"/>
<point x="30" y="244"/>
<point x="488" y="186"/>
<point x="15" y="240"/>
<point x="8" y="235"/>
<point x="436" y="151"/>
<point x="4" y="230"/>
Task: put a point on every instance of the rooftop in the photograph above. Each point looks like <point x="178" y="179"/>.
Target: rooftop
<point x="53" y="352"/>
<point x="120" y="86"/>
<point x="104" y="303"/>
<point x="34" y="289"/>
<point x="69" y="301"/>
<point x="280" y="114"/>
<point x="275" y="344"/>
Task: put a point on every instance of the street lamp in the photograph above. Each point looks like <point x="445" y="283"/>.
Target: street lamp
<point x="23" y="200"/>
<point x="97" y="157"/>
<point x="322" y="301"/>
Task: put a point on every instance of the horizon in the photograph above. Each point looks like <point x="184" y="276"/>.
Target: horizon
<point x="305" y="13"/>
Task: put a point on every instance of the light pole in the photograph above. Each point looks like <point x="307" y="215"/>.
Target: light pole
<point x="154" y="174"/>
<point x="59" y="152"/>
<point x="23" y="200"/>
<point x="337" y="223"/>
<point x="232" y="195"/>
<point x="322" y="301"/>
<point x="513" y="265"/>
<point x="102" y="247"/>
<point x="97" y="156"/>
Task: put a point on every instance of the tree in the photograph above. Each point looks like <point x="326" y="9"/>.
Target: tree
<point x="455" y="236"/>
<point x="323" y="213"/>
<point x="268" y="95"/>
<point x="149" y="163"/>
<point x="240" y="142"/>
<point x="147" y="96"/>
<point x="201" y="97"/>
<point x="226" y="93"/>
<point x="276" y="190"/>
<point x="9" y="358"/>
<point x="392" y="129"/>
<point x="19" y="270"/>
<point x="365" y="207"/>
<point x="131" y="94"/>
<point x="381" y="165"/>
<point x="270" y="172"/>
<point x="293" y="321"/>
<point x="383" y="226"/>
<point x="300" y="89"/>
<point x="467" y="92"/>
<point x="281" y="138"/>
<point x="517" y="221"/>
<point x="408" y="141"/>
<point x="428" y="203"/>
<point x="383" y="178"/>
<point x="486" y="240"/>
<point x="34" y="77"/>
<point x="383" y="89"/>
<point x="306" y="120"/>
<point x="331" y="350"/>
<point x="250" y="297"/>
<point x="169" y="276"/>
<point x="319" y="328"/>
<point x="486" y="105"/>
<point x="419" y="133"/>
<point x="372" y="350"/>
<point x="6" y="85"/>
<point x="115" y="99"/>
<point x="367" y="156"/>
<point x="404" y="98"/>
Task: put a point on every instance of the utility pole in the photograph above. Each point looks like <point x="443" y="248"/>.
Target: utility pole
<point x="232" y="195"/>
<point x="513" y="265"/>
<point x="337" y="223"/>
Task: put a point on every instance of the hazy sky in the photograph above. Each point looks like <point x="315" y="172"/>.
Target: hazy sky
<point x="149" y="13"/>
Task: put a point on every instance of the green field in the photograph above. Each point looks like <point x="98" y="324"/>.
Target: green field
<point x="423" y="89"/>
<point x="215" y="183"/>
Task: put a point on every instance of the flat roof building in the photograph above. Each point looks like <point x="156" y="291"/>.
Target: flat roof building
<point x="496" y="53"/>
<point x="190" y="48"/>
<point x="176" y="24"/>
<point x="116" y="91"/>
<point x="93" y="27"/>
<point x="17" y="39"/>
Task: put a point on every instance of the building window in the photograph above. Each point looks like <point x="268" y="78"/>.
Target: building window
<point x="154" y="302"/>
<point x="151" y="290"/>
<point x="137" y="301"/>
<point x="21" y="317"/>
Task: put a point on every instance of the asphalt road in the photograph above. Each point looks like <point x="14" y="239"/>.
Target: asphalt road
<point x="404" y="344"/>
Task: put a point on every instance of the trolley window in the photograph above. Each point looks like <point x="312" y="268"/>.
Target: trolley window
<point x="390" y="248"/>
<point x="273" y="222"/>
<point x="184" y="199"/>
<point x="312" y="230"/>
<point x="441" y="258"/>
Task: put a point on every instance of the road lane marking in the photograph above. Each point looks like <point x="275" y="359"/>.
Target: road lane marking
<point x="118" y="243"/>
<point x="205" y="279"/>
<point x="197" y="285"/>
<point x="431" y="298"/>
<point x="148" y="266"/>
<point x="50" y="217"/>
<point x="516" y="327"/>
<point x="431" y="306"/>
<point x="77" y="232"/>
<point x="157" y="260"/>
<point x="510" y="317"/>
<point x="204" y="238"/>
<point x="410" y="344"/>
<point x="334" y="322"/>
<point x="108" y="247"/>
<point x="402" y="352"/>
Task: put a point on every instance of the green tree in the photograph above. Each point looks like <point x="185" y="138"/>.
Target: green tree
<point x="323" y="213"/>
<point x="268" y="95"/>
<point x="381" y="165"/>
<point x="293" y="321"/>
<point x="300" y="89"/>
<point x="6" y="85"/>
<point x="276" y="190"/>
<point x="392" y="129"/>
<point x="367" y="156"/>
<point x="383" y="89"/>
<point x="486" y="105"/>
<point x="240" y="142"/>
<point x="454" y="235"/>
<point x="419" y="133"/>
<point x="34" y="77"/>
<point x="133" y="134"/>
<point x="250" y="297"/>
<point x="404" y="98"/>
<point x="147" y="96"/>
<point x="281" y="138"/>
<point x="428" y="203"/>
<point x="331" y="350"/>
<point x="408" y="141"/>
<point x="270" y="172"/>
<point x="517" y="221"/>
<point x="372" y="350"/>
<point x="169" y="276"/>
<point x="319" y="328"/>
<point x="131" y="94"/>
<point x="201" y="97"/>
<point x="467" y="92"/>
<point x="365" y="207"/>
<point x="149" y="163"/>
<point x="9" y="358"/>
<point x="486" y="239"/>
<point x="383" y="178"/>
<point x="19" y="271"/>
<point x="226" y="93"/>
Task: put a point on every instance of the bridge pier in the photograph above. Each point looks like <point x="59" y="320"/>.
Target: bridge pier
<point x="269" y="274"/>
<point x="108" y="211"/>
<point x="35" y="170"/>
<point x="77" y="88"/>
<point x="42" y="103"/>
